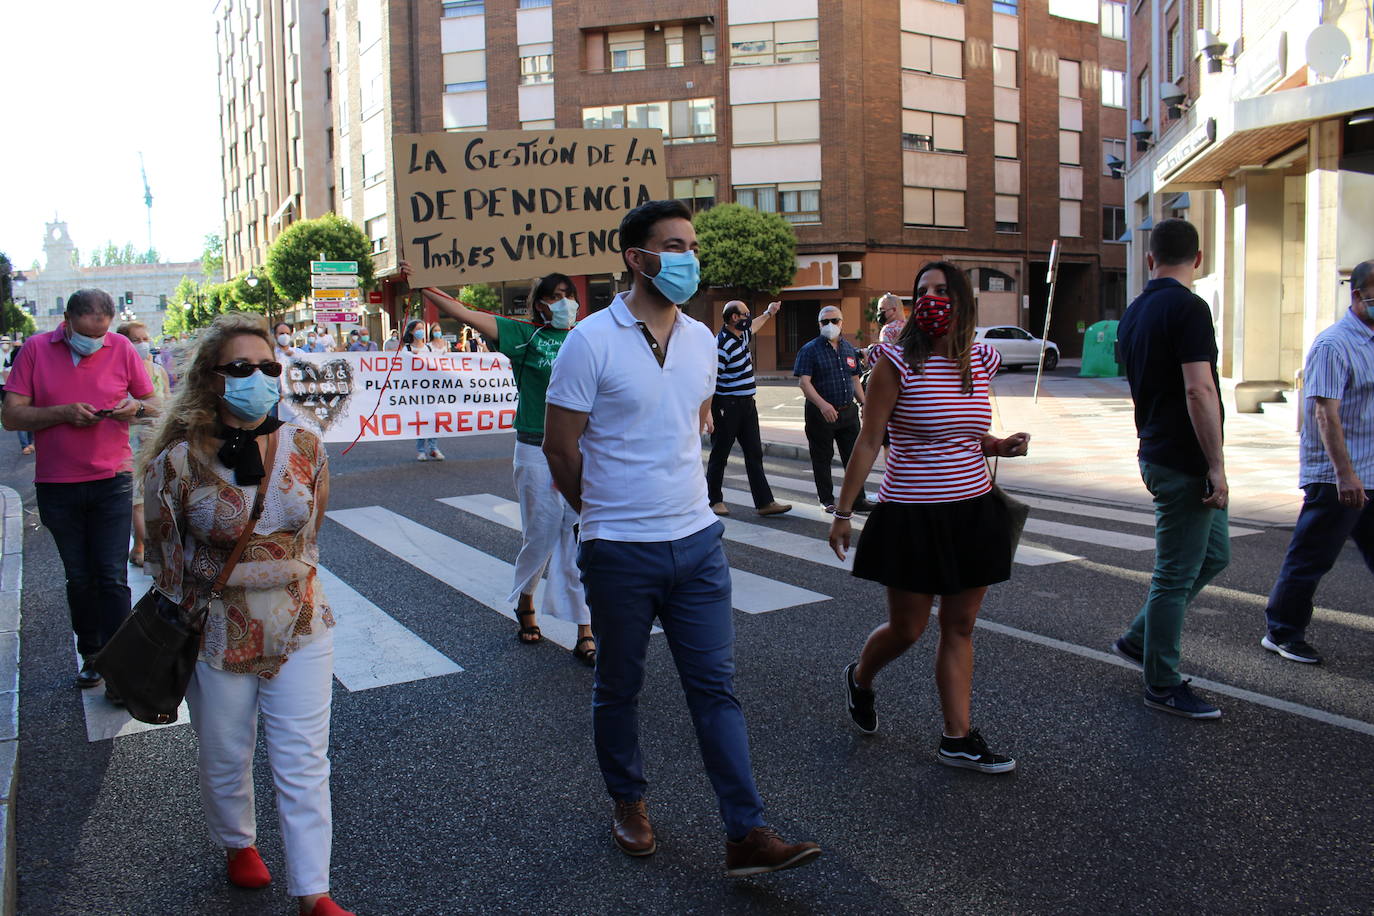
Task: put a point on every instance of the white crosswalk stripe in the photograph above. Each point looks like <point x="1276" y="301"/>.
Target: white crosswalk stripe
<point x="753" y="594"/>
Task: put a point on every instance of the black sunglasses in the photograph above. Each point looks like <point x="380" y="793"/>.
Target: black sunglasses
<point x="830" y="321"/>
<point x="242" y="368"/>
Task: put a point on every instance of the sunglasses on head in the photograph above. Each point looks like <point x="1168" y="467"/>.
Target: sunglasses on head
<point x="242" y="368"/>
<point x="830" y="321"/>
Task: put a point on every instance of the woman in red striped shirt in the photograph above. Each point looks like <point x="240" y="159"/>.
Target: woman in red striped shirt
<point x="937" y="528"/>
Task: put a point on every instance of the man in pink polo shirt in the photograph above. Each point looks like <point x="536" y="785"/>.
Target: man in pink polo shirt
<point x="76" y="389"/>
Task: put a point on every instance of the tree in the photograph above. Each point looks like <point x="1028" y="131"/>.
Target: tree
<point x="13" y="319"/>
<point x="288" y="260"/>
<point x="179" y="306"/>
<point x="250" y="298"/>
<point x="480" y="296"/>
<point x="212" y="258"/>
<point x="745" y="249"/>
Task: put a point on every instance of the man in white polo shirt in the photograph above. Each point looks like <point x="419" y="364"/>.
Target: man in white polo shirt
<point x="630" y="393"/>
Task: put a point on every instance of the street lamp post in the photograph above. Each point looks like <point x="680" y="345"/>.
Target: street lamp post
<point x="16" y="285"/>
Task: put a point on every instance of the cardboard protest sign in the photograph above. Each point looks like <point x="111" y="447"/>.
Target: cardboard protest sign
<point x="426" y="394"/>
<point x="516" y="204"/>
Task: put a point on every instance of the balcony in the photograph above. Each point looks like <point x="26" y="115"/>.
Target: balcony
<point x="629" y="13"/>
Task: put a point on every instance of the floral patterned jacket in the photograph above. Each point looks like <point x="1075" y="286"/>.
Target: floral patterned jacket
<point x="273" y="603"/>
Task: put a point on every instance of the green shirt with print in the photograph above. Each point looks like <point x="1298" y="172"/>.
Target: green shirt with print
<point x="531" y="349"/>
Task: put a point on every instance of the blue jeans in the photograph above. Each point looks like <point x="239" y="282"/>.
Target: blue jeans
<point x="90" y="523"/>
<point x="25" y="438"/>
<point x="686" y="585"/>
<point x="1323" y="525"/>
<point x="425" y="446"/>
<point x="1192" y="545"/>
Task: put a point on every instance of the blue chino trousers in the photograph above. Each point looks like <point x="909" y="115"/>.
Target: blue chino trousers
<point x="685" y="584"/>
<point x="1323" y="525"/>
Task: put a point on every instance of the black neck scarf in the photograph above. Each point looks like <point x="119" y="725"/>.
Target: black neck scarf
<point x="240" y="450"/>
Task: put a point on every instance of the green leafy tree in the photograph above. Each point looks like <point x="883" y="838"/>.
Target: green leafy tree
<point x="15" y="320"/>
<point x="480" y="296"/>
<point x="212" y="258"/>
<point x="288" y="260"/>
<point x="248" y="298"/>
<point x="179" y="306"/>
<point x="745" y="249"/>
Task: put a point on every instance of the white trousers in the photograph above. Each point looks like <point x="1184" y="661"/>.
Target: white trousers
<point x="546" y="523"/>
<point x="295" y="713"/>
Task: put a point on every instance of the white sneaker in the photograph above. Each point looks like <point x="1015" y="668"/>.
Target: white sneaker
<point x="421" y="456"/>
<point x="436" y="455"/>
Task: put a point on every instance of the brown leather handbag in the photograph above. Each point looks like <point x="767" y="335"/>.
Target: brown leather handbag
<point x="149" y="660"/>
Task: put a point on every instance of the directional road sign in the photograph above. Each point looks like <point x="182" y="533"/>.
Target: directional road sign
<point x="334" y="281"/>
<point x="337" y="317"/>
<point x="333" y="267"/>
<point x="334" y="294"/>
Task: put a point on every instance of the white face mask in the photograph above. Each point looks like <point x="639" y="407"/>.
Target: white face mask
<point x="830" y="331"/>
<point x="283" y="340"/>
<point x="145" y="349"/>
<point x="562" y="313"/>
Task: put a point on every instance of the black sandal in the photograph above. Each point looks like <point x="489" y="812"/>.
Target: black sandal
<point x="585" y="656"/>
<point x="528" y="634"/>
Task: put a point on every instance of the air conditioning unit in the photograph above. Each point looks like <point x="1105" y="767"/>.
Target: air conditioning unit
<point x="851" y="270"/>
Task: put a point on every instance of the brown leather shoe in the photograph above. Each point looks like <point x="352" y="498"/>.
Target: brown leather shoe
<point x="764" y="850"/>
<point x="774" y="508"/>
<point x="632" y="831"/>
<point x="720" y="508"/>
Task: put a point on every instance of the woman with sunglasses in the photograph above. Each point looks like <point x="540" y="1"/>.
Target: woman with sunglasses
<point x="546" y="519"/>
<point x="266" y="644"/>
<point x="937" y="529"/>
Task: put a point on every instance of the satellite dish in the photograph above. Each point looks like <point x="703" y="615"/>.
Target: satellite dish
<point x="1328" y="49"/>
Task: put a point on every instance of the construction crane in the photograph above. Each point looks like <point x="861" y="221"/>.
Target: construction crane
<point x="147" y="200"/>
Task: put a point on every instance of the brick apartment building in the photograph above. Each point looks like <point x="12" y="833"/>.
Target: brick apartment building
<point x="888" y="132"/>
<point x="1255" y="121"/>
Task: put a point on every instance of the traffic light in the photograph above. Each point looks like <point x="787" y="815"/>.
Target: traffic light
<point x="128" y="298"/>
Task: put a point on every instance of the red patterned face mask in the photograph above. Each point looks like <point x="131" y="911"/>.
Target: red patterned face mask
<point x="932" y="315"/>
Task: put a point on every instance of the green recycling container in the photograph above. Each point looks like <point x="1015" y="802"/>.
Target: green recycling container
<point x="1099" y="351"/>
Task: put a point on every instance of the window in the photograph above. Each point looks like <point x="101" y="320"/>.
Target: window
<point x="1004" y="6"/>
<point x="1004" y="68"/>
<point x="933" y="208"/>
<point x="464" y="71"/>
<point x="536" y="64"/>
<point x="777" y="122"/>
<point x="1173" y="53"/>
<point x="1069" y="148"/>
<point x="1113" y="19"/>
<point x="453" y="8"/>
<point x="708" y="44"/>
<point x="534" y="4"/>
<point x="1069" y="73"/>
<point x="1004" y="140"/>
<point x="1113" y="149"/>
<point x="674" y="46"/>
<point x="627" y="50"/>
<point x="541" y="124"/>
<point x="925" y="130"/>
<point x="1142" y="96"/>
<point x="936" y="56"/>
<point x="791" y="42"/>
<point x="1113" y="223"/>
<point x="1113" y="88"/>
<point x="376" y="232"/>
<point x="1007" y="209"/>
<point x="1070" y="219"/>
<point x="329" y="142"/>
<point x="328" y="84"/>
<point x="798" y="203"/>
<point x="697" y="193"/>
<point x="688" y="121"/>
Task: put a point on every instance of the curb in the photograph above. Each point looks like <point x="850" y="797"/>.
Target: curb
<point x="11" y="587"/>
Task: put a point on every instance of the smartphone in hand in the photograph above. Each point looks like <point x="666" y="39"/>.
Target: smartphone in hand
<point x="105" y="413"/>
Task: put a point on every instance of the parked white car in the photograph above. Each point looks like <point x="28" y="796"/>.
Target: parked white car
<point x="1018" y="346"/>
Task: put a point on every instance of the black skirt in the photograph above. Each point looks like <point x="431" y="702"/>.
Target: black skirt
<point x="936" y="548"/>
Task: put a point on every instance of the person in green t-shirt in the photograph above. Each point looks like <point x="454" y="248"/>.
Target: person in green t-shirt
<point x="546" y="519"/>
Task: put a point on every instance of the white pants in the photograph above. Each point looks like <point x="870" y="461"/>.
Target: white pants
<point x="295" y="712"/>
<point x="546" y="522"/>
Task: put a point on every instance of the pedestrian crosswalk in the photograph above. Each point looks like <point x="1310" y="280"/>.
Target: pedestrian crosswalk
<point x="374" y="650"/>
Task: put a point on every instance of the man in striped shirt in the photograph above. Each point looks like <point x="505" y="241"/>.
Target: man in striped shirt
<point x="1337" y="468"/>
<point x="734" y="412"/>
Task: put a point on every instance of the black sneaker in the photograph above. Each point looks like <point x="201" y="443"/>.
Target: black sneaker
<point x="87" y="677"/>
<point x="860" y="702"/>
<point x="1179" y="700"/>
<point x="971" y="753"/>
<point x="1129" y="652"/>
<point x="1295" y="650"/>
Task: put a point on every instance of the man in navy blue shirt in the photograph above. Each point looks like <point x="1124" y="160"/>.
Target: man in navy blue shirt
<point x="1169" y="348"/>
<point x="829" y="370"/>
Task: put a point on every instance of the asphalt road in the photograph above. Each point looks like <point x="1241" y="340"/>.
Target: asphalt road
<point x="478" y="792"/>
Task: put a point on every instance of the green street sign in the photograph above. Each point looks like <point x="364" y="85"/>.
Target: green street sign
<point x="333" y="267"/>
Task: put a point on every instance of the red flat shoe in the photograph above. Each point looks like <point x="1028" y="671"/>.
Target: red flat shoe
<point x="326" y="907"/>
<point x="247" y="869"/>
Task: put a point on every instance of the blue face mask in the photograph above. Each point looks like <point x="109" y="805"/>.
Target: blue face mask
<point x="81" y="344"/>
<point x="679" y="274"/>
<point x="562" y="313"/>
<point x="251" y="398"/>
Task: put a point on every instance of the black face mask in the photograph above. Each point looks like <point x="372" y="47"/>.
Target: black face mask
<point x="744" y="324"/>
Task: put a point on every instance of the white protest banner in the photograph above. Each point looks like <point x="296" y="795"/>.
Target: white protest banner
<point x="399" y="395"/>
<point x="513" y="204"/>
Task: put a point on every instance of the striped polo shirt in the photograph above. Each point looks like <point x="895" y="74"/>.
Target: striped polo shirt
<point x="734" y="366"/>
<point x="936" y="431"/>
<point x="1340" y="365"/>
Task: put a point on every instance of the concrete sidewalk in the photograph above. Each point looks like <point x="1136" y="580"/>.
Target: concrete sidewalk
<point x="1083" y="446"/>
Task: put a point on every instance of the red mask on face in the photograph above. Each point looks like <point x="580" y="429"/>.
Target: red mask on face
<point x="932" y="315"/>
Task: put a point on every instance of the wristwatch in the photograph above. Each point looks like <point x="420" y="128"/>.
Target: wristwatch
<point x="142" y="411"/>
